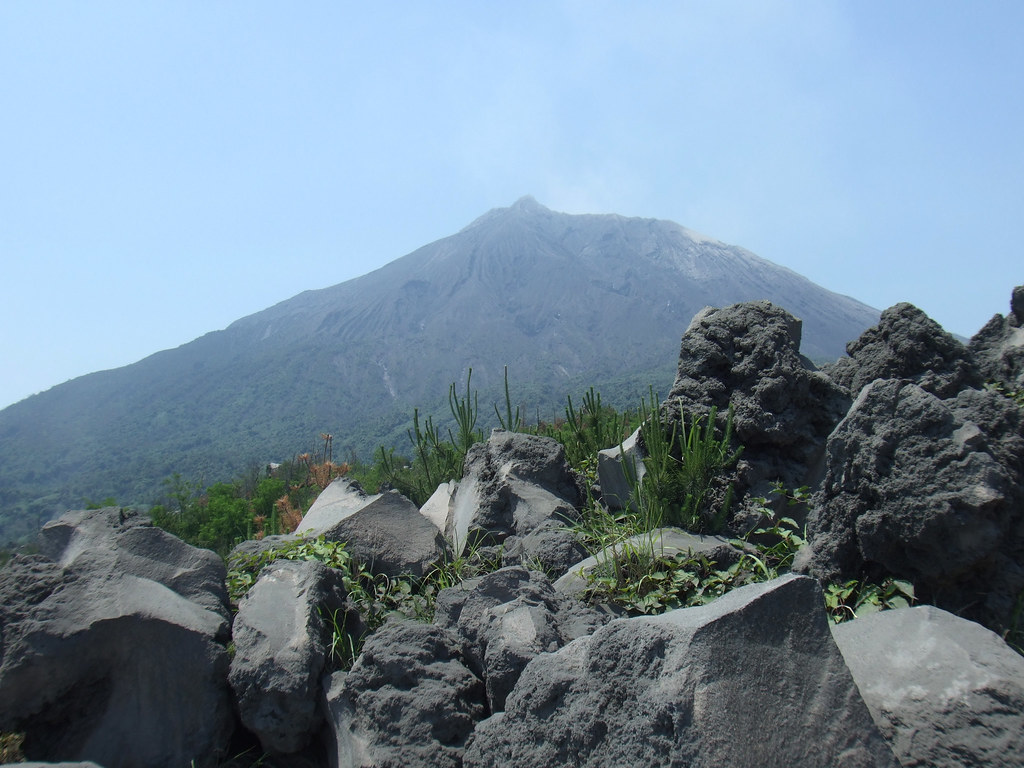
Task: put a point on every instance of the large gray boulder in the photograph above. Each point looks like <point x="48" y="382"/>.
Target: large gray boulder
<point x="944" y="691"/>
<point x="752" y="679"/>
<point x="907" y="344"/>
<point x="507" y="618"/>
<point x="748" y="355"/>
<point x="998" y="348"/>
<point x="926" y="490"/>
<point x="518" y="491"/>
<point x="390" y="536"/>
<point x="282" y="636"/>
<point x="112" y="645"/>
<point x="122" y="541"/>
<point x="409" y="701"/>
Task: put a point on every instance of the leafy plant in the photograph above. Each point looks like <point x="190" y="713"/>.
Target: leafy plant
<point x="10" y="747"/>
<point x="638" y="578"/>
<point x="1016" y="395"/>
<point x="374" y="597"/>
<point x="853" y="599"/>
<point x="244" y="569"/>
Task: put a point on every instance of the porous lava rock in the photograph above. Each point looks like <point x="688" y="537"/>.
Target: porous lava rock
<point x="518" y="491"/>
<point x="506" y="618"/>
<point x="927" y="490"/>
<point x="409" y="701"/>
<point x="998" y="347"/>
<point x="748" y="356"/>
<point x="907" y="344"/>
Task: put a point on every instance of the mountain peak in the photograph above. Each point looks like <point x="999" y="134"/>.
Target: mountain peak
<point x="527" y="203"/>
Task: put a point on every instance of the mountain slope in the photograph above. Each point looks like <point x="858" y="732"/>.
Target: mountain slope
<point x="563" y="300"/>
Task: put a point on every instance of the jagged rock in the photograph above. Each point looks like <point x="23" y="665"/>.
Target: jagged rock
<point x="112" y="645"/>
<point x="409" y="701"/>
<point x="282" y="637"/>
<point x="390" y="536"/>
<point x="662" y="541"/>
<point x="927" y="490"/>
<point x="945" y="692"/>
<point x="552" y="548"/>
<point x="998" y="348"/>
<point x="339" y="500"/>
<point x="748" y="355"/>
<point x="907" y="344"/>
<point x="753" y="678"/>
<point x="517" y="490"/>
<point x="506" y="618"/>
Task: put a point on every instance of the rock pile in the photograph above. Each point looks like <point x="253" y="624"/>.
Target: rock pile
<point x="114" y="639"/>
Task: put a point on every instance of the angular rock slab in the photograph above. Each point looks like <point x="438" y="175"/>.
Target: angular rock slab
<point x="282" y="643"/>
<point x="945" y="692"/>
<point x="507" y="618"/>
<point x="117" y="540"/>
<point x="619" y="469"/>
<point x="408" y="702"/>
<point x="341" y="499"/>
<point x="391" y="537"/>
<point x="752" y="679"/>
<point x="100" y="662"/>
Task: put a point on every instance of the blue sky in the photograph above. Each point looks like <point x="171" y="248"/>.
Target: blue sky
<point x="169" y="167"/>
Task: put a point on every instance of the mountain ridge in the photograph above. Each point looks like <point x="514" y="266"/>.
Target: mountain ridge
<point x="564" y="300"/>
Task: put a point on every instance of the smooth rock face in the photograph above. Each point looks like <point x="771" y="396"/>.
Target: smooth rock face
<point x="517" y="491"/>
<point x="619" y="469"/>
<point x="341" y="499"/>
<point x="907" y="344"/>
<point x="753" y="678"/>
<point x="282" y="639"/>
<point x="927" y="490"/>
<point x="123" y="541"/>
<point x="390" y="536"/>
<point x="507" y="618"/>
<point x="748" y="355"/>
<point x="944" y="691"/>
<point x="409" y="701"/>
<point x="998" y="348"/>
<point x="439" y="505"/>
<point x="114" y="658"/>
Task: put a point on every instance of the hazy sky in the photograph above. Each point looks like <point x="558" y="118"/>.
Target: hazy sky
<point x="169" y="167"/>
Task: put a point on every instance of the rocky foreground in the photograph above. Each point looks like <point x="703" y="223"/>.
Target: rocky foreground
<point x="119" y="646"/>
